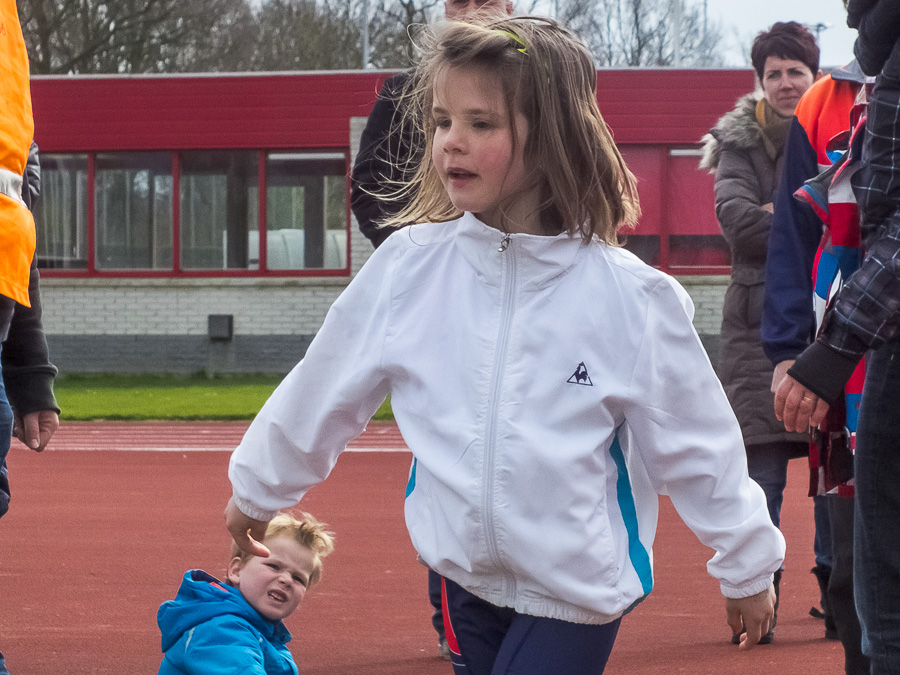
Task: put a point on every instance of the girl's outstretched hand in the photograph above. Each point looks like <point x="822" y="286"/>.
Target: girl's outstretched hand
<point x="246" y="531"/>
<point x="751" y="616"/>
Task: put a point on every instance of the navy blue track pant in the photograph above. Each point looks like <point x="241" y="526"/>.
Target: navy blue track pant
<point x="489" y="640"/>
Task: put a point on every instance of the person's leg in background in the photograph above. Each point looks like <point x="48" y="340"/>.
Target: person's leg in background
<point x="767" y="464"/>
<point x="6" y="426"/>
<point x="876" y="561"/>
<point x="840" y="586"/>
<point x="437" y="614"/>
<point x="823" y="548"/>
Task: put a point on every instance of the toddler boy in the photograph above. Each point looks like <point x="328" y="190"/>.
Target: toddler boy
<point x="236" y="627"/>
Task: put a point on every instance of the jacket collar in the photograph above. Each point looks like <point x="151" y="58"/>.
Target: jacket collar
<point x="738" y="128"/>
<point x="203" y="597"/>
<point x="849" y="73"/>
<point x="539" y="260"/>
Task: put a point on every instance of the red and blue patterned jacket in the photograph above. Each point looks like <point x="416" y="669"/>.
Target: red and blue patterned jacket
<point x="807" y="262"/>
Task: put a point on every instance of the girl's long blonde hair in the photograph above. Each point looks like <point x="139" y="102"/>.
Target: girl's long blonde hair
<point x="547" y="74"/>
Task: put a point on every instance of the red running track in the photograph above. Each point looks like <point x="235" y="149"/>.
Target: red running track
<point x="97" y="538"/>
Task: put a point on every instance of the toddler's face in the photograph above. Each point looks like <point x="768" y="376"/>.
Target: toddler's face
<point x="274" y="586"/>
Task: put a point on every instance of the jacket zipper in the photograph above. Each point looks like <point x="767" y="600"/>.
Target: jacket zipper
<point x="490" y="438"/>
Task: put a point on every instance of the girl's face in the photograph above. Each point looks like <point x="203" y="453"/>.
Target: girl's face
<point x="784" y="82"/>
<point x="474" y="153"/>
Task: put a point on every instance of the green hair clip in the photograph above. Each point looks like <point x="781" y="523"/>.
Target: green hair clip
<point x="512" y="36"/>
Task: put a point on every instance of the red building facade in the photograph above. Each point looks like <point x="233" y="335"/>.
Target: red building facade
<point x="243" y="180"/>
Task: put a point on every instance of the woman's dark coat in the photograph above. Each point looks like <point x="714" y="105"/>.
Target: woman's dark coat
<point x="746" y="178"/>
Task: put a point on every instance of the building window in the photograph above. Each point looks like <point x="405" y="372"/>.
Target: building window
<point x="122" y="206"/>
<point x="133" y="211"/>
<point x="218" y="209"/>
<point x="701" y="250"/>
<point x="644" y="246"/>
<point x="61" y="213"/>
<point x="306" y="211"/>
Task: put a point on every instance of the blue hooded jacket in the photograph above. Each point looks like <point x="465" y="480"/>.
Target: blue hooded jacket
<point x="209" y="629"/>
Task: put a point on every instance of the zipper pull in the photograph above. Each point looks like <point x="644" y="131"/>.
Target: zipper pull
<point x="505" y="243"/>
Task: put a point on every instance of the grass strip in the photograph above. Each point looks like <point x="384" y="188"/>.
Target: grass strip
<point x="86" y="397"/>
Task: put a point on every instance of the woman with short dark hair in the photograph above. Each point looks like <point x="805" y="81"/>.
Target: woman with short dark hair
<point x="744" y="150"/>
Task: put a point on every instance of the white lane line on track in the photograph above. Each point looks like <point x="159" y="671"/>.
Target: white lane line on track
<point x="196" y="449"/>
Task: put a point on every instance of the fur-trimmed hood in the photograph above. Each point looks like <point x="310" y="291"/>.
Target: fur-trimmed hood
<point x="737" y="129"/>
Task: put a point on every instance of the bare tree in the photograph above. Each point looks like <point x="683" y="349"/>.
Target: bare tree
<point x="393" y="25"/>
<point x="151" y="36"/>
<point x="131" y="36"/>
<point x="307" y="35"/>
<point x="642" y="32"/>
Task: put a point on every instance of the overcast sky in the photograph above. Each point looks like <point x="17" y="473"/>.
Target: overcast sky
<point x="741" y="20"/>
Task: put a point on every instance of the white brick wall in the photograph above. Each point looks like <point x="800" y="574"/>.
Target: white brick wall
<point x="181" y="306"/>
<point x="260" y="306"/>
<point x="708" y="294"/>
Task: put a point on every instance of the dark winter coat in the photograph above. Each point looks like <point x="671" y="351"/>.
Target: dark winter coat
<point x="746" y="178"/>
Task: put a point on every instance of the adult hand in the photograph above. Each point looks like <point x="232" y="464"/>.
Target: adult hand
<point x="780" y="373"/>
<point x="36" y="428"/>
<point x="769" y="206"/>
<point x="797" y="406"/>
<point x="752" y="615"/>
<point x="246" y="531"/>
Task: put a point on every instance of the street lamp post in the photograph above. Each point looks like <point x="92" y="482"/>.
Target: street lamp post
<point x="705" y="18"/>
<point x="676" y="57"/>
<point x="818" y="28"/>
<point x="365" y="35"/>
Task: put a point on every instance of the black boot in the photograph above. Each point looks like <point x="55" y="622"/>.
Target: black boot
<point x="823" y="575"/>
<point x="767" y="638"/>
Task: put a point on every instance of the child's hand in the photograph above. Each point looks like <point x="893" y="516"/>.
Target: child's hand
<point x="247" y="532"/>
<point x="752" y="614"/>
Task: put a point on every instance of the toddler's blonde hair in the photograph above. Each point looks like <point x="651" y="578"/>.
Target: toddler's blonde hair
<point x="305" y="530"/>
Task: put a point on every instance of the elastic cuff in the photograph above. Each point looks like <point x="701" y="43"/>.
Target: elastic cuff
<point x="777" y="356"/>
<point x="823" y="371"/>
<point x="250" y="510"/>
<point x="756" y="586"/>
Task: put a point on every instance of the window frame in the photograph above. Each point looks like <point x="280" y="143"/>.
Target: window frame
<point x="176" y="270"/>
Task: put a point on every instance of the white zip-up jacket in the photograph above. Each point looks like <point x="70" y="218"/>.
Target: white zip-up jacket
<point x="548" y="392"/>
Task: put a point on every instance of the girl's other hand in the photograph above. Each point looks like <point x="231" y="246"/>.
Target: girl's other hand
<point x="246" y="531"/>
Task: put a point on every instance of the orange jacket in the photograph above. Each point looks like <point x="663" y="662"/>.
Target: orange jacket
<point x="16" y="132"/>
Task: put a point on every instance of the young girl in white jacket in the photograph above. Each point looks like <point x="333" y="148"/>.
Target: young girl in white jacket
<point x="549" y="384"/>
